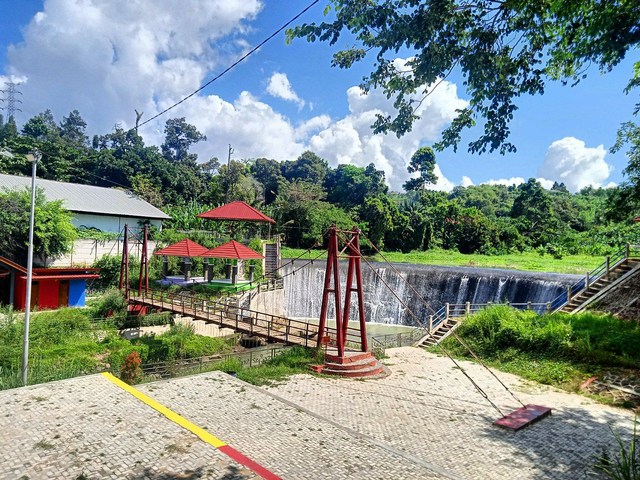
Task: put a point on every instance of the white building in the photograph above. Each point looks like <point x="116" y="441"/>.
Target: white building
<point x="105" y="209"/>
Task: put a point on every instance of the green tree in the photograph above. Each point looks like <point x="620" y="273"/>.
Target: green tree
<point x="72" y="129"/>
<point x="423" y="161"/>
<point x="230" y="178"/>
<point x="624" y="202"/>
<point x="308" y="167"/>
<point x="179" y="137"/>
<point x="53" y="232"/>
<point x="349" y="185"/>
<point x="36" y="128"/>
<point x="303" y="215"/>
<point x="504" y="49"/>
<point x="377" y="213"/>
<point x="269" y="174"/>
<point x="9" y="130"/>
<point x="533" y="206"/>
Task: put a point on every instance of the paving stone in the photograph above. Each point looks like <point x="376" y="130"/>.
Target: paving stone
<point x="47" y="432"/>
<point x="428" y="409"/>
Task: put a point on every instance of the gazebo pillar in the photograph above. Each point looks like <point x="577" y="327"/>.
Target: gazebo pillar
<point x="186" y="267"/>
<point x="252" y="270"/>
<point x="210" y="270"/>
<point x="234" y="274"/>
<point x="227" y="270"/>
<point x="165" y="266"/>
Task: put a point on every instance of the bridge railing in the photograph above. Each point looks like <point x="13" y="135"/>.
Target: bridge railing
<point x="274" y="327"/>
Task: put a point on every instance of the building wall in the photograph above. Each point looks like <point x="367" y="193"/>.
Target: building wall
<point x="87" y="251"/>
<point x="48" y="294"/>
<point x="109" y="223"/>
<point x="271" y="302"/>
<point x="77" y="290"/>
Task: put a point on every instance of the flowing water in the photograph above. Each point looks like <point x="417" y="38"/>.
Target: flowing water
<point x="436" y="284"/>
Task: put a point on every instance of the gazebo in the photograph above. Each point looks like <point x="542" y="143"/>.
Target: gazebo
<point x="186" y="249"/>
<point x="236" y="212"/>
<point x="232" y="251"/>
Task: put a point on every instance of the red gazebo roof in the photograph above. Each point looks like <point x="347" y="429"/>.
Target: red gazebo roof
<point x="234" y="250"/>
<point x="183" y="248"/>
<point x="239" y="211"/>
<point x="637" y="219"/>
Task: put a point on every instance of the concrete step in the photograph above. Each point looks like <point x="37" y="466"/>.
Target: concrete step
<point x="350" y="356"/>
<point x="357" y="365"/>
<point x="375" y="369"/>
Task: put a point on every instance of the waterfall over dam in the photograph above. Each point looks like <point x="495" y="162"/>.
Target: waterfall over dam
<point x="437" y="285"/>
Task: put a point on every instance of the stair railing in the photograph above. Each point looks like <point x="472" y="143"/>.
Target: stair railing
<point x="602" y="270"/>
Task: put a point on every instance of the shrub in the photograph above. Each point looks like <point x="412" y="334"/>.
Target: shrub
<point x="131" y="372"/>
<point x="112" y="302"/>
<point x="110" y="266"/>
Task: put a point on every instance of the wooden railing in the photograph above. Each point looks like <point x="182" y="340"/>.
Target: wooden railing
<point x="239" y="318"/>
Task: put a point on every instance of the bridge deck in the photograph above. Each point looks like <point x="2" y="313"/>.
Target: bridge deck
<point x="259" y="324"/>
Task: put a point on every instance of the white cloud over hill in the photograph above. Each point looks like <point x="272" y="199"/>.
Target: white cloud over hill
<point x="571" y="162"/>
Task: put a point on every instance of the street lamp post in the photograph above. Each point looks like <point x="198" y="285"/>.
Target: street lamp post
<point x="33" y="157"/>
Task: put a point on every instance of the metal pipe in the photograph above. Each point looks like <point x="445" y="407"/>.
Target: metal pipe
<point x="27" y="306"/>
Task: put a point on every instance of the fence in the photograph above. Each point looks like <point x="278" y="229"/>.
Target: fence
<point x="190" y="366"/>
<point x="380" y="343"/>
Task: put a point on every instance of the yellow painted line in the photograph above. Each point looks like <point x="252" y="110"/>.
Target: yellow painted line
<point x="174" y="417"/>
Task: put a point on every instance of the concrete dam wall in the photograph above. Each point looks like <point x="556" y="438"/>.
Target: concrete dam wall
<point x="437" y="285"/>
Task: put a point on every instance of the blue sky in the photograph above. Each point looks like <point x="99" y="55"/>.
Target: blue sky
<point x="64" y="69"/>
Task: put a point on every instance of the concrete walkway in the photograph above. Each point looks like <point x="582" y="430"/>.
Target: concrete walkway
<point x="424" y="421"/>
<point x="427" y="408"/>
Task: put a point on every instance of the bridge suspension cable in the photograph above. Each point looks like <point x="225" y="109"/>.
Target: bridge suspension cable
<point x="457" y="337"/>
<point x="446" y="352"/>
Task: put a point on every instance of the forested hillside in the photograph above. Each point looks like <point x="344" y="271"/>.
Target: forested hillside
<point x="305" y="195"/>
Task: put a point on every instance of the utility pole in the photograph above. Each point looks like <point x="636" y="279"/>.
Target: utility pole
<point x="10" y="100"/>
<point x="34" y="158"/>
<point x="226" y="200"/>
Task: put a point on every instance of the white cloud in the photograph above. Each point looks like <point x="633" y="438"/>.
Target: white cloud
<point x="107" y="58"/>
<point x="569" y="161"/>
<point x="279" y="86"/>
<point x="506" y="182"/>
<point x="466" y="181"/>
<point x="518" y="181"/>
<point x="351" y="140"/>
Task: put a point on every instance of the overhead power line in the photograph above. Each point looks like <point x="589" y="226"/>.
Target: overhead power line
<point x="240" y="60"/>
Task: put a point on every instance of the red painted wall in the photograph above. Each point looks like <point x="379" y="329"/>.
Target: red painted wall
<point x="48" y="296"/>
<point x="19" y="293"/>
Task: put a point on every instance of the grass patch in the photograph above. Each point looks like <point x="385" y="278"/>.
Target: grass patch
<point x="557" y="349"/>
<point x="293" y="361"/>
<point x="532" y="261"/>
<point x="65" y="343"/>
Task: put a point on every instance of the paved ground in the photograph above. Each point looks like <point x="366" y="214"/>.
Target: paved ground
<point x="428" y="409"/>
<point x="421" y="422"/>
<point x="87" y="428"/>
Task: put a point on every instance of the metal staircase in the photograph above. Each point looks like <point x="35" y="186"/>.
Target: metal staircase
<point x="602" y="286"/>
